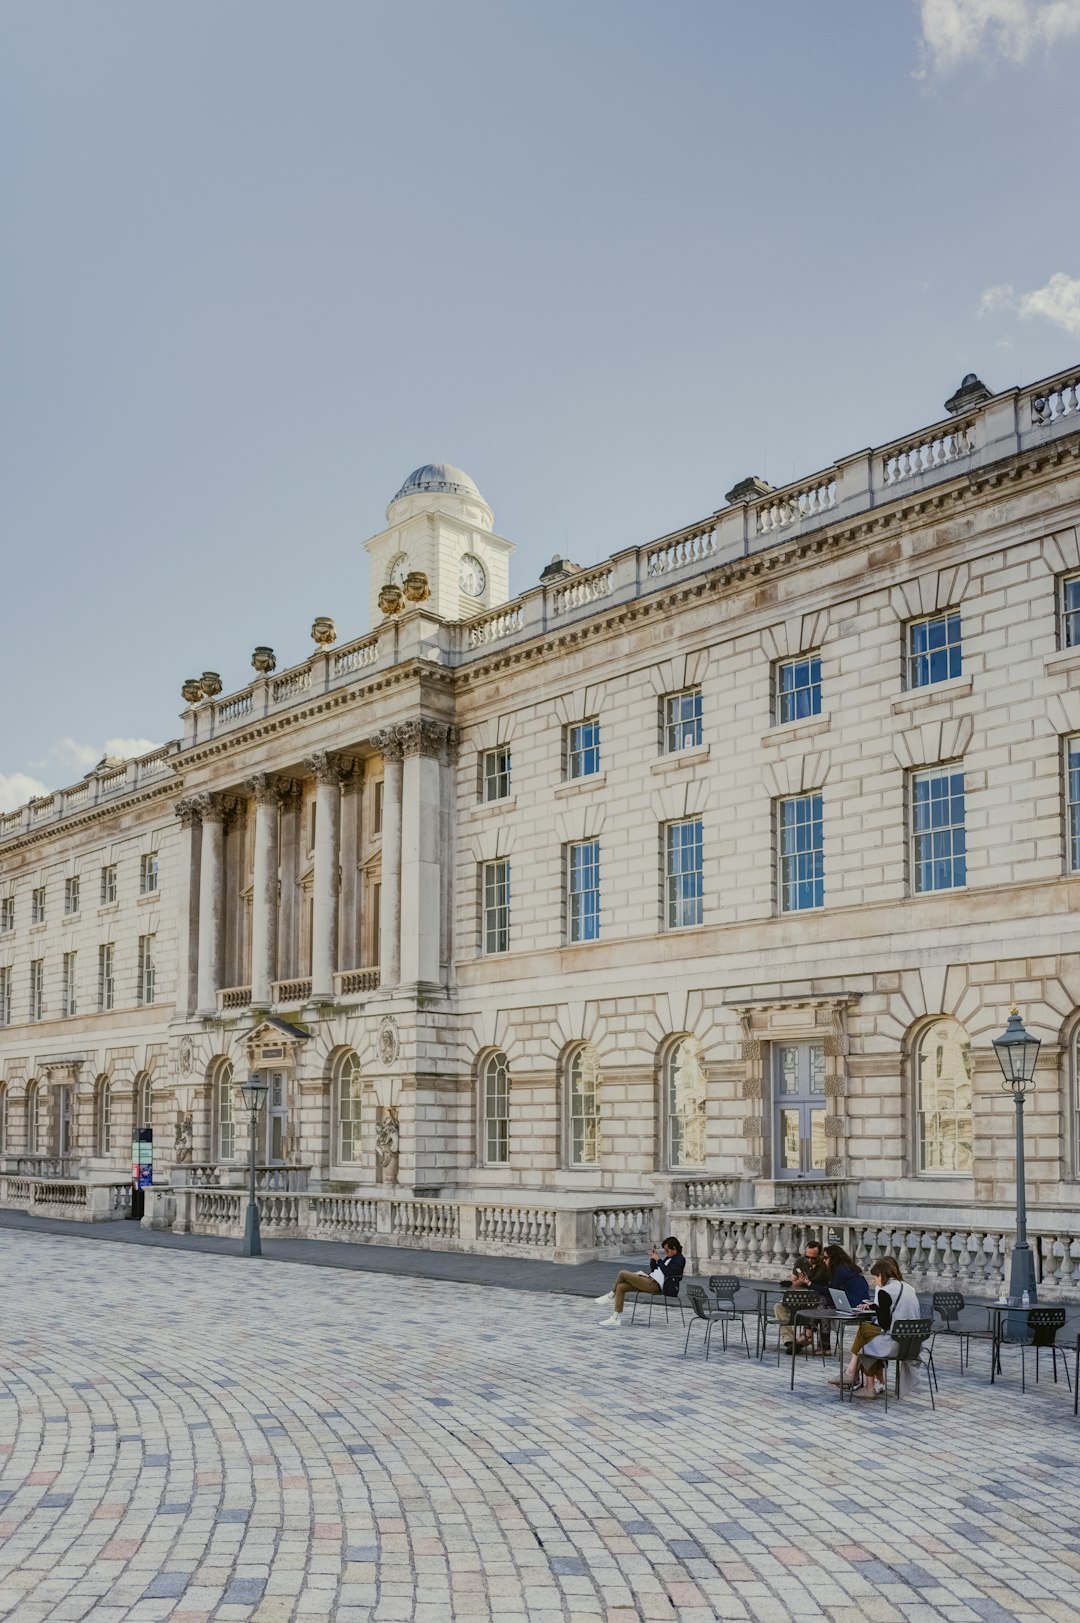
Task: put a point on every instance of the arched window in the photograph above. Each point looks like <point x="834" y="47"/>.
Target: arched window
<point x="143" y="1100"/>
<point x="104" y="1125"/>
<point x="583" y="1090"/>
<point x="684" y="1086"/>
<point x="34" y="1124"/>
<point x="495" y="1104"/>
<point x="347" y="1108"/>
<point x="224" y="1122"/>
<point x="943" y="1098"/>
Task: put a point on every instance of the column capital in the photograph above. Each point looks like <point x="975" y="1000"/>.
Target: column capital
<point x="187" y="810"/>
<point x="422" y="736"/>
<point x="327" y="767"/>
<point x="212" y="807"/>
<point x="387" y="741"/>
<point x="267" y="789"/>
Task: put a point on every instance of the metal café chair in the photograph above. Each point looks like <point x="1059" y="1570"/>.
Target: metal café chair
<point x="700" y="1313"/>
<point x="725" y="1288"/>
<point x="1043" y="1324"/>
<point x="911" y="1337"/>
<point x="948" y="1305"/>
<point x="652" y="1297"/>
<point x="795" y="1302"/>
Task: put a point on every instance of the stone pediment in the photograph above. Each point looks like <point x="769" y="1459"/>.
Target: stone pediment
<point x="274" y="1041"/>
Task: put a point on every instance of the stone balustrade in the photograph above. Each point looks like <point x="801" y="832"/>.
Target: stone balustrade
<point x="101" y="784"/>
<point x="552" y="1233"/>
<point x="705" y="1194"/>
<point x="297" y="991"/>
<point x="357" y="656"/>
<point x="810" y="499"/>
<point x="1055" y="399"/>
<point x="233" y="997"/>
<point x="689" y="547"/>
<point x="972" y="1260"/>
<point x="66" y="1198"/>
<point x="927" y="452"/>
<point x="350" y="982"/>
<point x="583" y="589"/>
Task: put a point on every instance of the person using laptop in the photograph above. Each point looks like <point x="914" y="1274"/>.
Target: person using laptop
<point x="843" y="1275"/>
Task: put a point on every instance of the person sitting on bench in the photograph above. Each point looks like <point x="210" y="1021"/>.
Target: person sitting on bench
<point x="661" y="1278"/>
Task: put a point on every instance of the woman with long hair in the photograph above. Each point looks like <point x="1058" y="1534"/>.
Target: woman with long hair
<point x="893" y="1301"/>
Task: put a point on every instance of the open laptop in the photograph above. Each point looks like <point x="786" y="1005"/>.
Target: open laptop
<point x="840" y="1301"/>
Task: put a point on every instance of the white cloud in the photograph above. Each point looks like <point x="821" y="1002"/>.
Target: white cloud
<point x="1057" y="302"/>
<point x="16" y="788"/>
<point x="957" y="31"/>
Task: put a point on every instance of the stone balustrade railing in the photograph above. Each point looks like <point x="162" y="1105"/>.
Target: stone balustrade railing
<point x="233" y="997"/>
<point x="705" y="1194"/>
<point x="101" y="784"/>
<point x="298" y="991"/>
<point x="59" y="1197"/>
<point x="42" y="1166"/>
<point x="235" y="1175"/>
<point x="689" y="547"/>
<point x="969" y="1259"/>
<point x="348" y="982"/>
<point x="453" y="1225"/>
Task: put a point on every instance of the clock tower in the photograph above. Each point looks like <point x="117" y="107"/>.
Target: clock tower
<point x="439" y="523"/>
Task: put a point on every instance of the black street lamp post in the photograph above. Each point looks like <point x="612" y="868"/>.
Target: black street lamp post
<point x="253" y="1092"/>
<point x="1017" y="1052"/>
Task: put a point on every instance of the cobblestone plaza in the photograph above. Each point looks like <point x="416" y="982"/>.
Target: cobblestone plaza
<point x="188" y="1437"/>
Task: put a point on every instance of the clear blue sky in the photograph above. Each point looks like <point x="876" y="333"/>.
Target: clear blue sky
<point x="261" y="259"/>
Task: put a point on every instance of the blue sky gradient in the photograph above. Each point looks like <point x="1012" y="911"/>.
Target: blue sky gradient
<point x="262" y="259"/>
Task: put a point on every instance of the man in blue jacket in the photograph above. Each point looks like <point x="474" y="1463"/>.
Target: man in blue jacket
<point x="661" y="1278"/>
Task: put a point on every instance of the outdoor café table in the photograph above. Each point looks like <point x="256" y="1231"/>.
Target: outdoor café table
<point x="998" y="1311"/>
<point x="825" y="1315"/>
<point x="763" y="1294"/>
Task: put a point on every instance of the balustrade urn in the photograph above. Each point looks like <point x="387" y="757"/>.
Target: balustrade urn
<point x="416" y="586"/>
<point x="192" y="690"/>
<point x="391" y="600"/>
<point x="323" y="631"/>
<point x="264" y="660"/>
<point x="210" y="682"/>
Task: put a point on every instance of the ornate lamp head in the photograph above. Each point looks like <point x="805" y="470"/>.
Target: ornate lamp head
<point x="323" y="630"/>
<point x="252" y="1093"/>
<point x="1017" y="1051"/>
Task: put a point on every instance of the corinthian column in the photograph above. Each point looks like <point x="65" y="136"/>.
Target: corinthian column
<point x="187" y="923"/>
<point x="388" y="742"/>
<point x="423" y="743"/>
<point x="213" y="811"/>
<point x="327" y="770"/>
<point x="266" y="791"/>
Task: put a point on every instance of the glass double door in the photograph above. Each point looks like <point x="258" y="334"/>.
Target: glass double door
<point x="799" y="1094"/>
<point x="277" y="1112"/>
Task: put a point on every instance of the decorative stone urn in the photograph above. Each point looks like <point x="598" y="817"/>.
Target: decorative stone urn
<point x="323" y="630"/>
<point x="391" y="600"/>
<point x="263" y="660"/>
<point x="417" y="589"/>
<point x="211" y="684"/>
<point x="192" y="690"/>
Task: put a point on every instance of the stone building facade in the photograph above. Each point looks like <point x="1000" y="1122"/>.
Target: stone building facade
<point x="686" y="889"/>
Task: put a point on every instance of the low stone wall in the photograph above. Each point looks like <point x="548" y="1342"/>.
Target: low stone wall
<point x="972" y="1260"/>
<point x="66" y="1198"/>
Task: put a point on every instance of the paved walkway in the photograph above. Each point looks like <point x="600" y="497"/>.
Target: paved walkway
<point x="189" y="1437"/>
<point x="404" y="1262"/>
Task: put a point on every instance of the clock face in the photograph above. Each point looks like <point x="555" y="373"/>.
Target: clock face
<point x="398" y="570"/>
<point x="471" y="576"/>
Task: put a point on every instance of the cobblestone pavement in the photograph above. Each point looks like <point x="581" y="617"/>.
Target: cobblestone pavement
<point x="189" y="1437"/>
